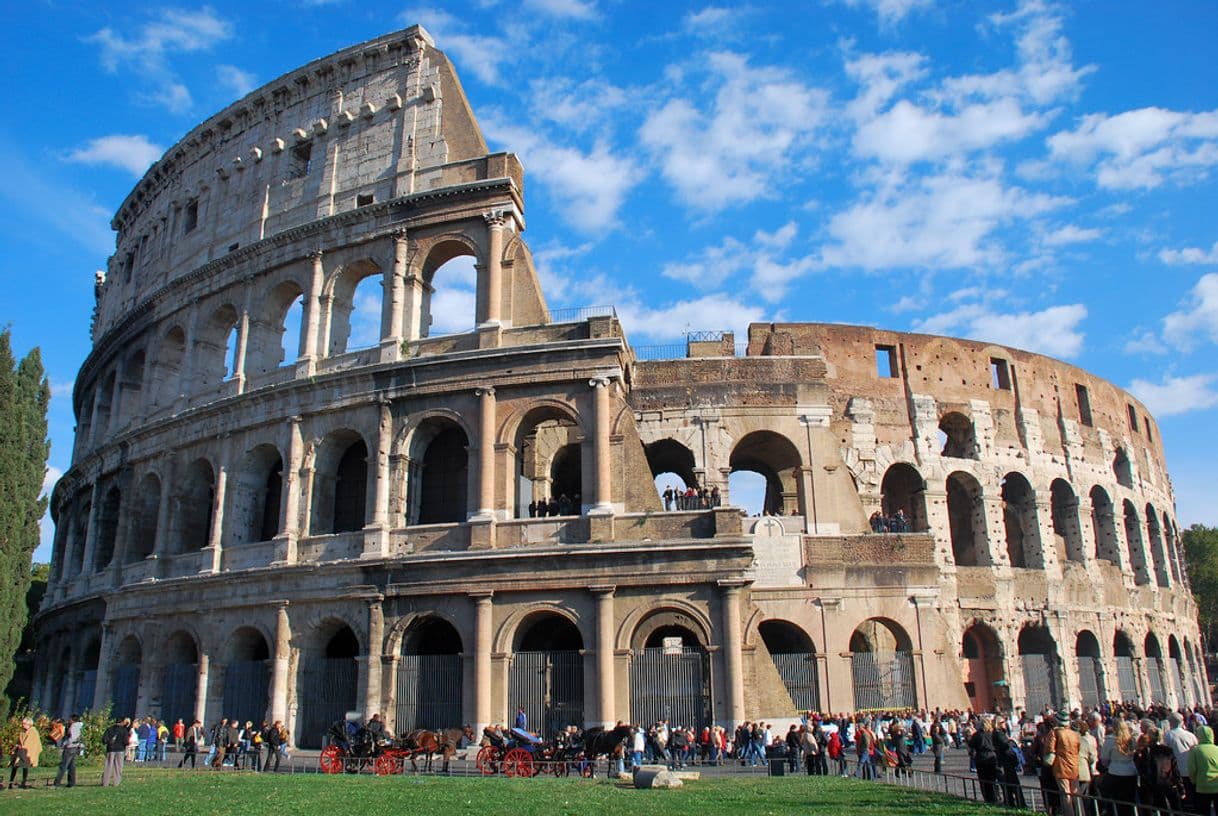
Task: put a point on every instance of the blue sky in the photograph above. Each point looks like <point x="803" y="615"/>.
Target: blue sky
<point x="1032" y="173"/>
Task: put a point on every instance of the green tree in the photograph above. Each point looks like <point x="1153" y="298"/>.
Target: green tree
<point x="21" y="687"/>
<point x="24" y="447"/>
<point x="1201" y="556"/>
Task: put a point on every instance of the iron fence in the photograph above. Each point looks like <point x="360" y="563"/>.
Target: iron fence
<point x="549" y="686"/>
<point x="883" y="680"/>
<point x="245" y="690"/>
<point x="178" y="693"/>
<point x="125" y="691"/>
<point x="328" y="691"/>
<point x="1040" y="681"/>
<point x="798" y="672"/>
<point x="670" y="685"/>
<point x="428" y="692"/>
<point x="578" y="314"/>
<point x="1127" y="678"/>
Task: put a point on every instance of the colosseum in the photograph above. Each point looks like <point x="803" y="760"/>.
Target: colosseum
<point x="269" y="515"/>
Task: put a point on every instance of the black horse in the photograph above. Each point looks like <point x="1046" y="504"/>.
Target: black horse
<point x="600" y="742"/>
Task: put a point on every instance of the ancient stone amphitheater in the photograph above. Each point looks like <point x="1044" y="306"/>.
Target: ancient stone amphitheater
<point x="264" y="520"/>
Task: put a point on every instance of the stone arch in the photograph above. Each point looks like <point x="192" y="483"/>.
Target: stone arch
<point x="340" y="483"/>
<point x="1067" y="532"/>
<point x="440" y="252"/>
<point x="213" y="341"/>
<point x="86" y="673"/>
<point x="166" y="372"/>
<point x="245" y="686"/>
<point x="1127" y="678"/>
<point x="966" y="520"/>
<point x="985" y="683"/>
<point x="882" y="666"/>
<point x="257" y="495"/>
<point x="145" y="514"/>
<point x="667" y="455"/>
<point x="1122" y="468"/>
<point x="1020" y="522"/>
<point x="328" y="681"/>
<point x="776" y="459"/>
<point x="438" y="480"/>
<point x="793" y="654"/>
<point x="1137" y="549"/>
<point x="1154" y="535"/>
<point x="342" y="290"/>
<point x="268" y="347"/>
<point x="1039" y="657"/>
<point x="546" y="679"/>
<point x="107" y="527"/>
<point x="541" y="433"/>
<point x="508" y="634"/>
<point x="430" y="634"/>
<point x="125" y="676"/>
<point x="191" y="527"/>
<point x="637" y="627"/>
<point x="179" y="677"/>
<point x="430" y="676"/>
<point x="131" y="393"/>
<point x="957" y="436"/>
<point x="1103" y="522"/>
<point x="104" y="406"/>
<point x="1092" y="688"/>
<point x="903" y="489"/>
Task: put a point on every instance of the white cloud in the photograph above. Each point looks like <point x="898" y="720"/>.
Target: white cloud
<point x="238" y="81"/>
<point x="1199" y="320"/>
<point x="483" y="56"/>
<point x="1071" y="234"/>
<point x="133" y="153"/>
<point x="1053" y="331"/>
<point x="1176" y="395"/>
<point x="77" y="217"/>
<point x="579" y="106"/>
<point x="908" y="133"/>
<point x="711" y="312"/>
<point x="1145" y="341"/>
<point x="571" y="9"/>
<point x="709" y="18"/>
<point x="762" y="256"/>
<point x="1190" y="255"/>
<point x="48" y="481"/>
<point x="1046" y="71"/>
<point x="453" y="310"/>
<point x="1141" y="149"/>
<point x="890" y="12"/>
<point x="732" y="152"/>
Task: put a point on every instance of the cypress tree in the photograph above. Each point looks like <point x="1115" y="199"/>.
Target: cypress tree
<point x="24" y="447"/>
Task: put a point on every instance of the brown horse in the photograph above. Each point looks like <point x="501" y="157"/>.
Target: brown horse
<point x="599" y="742"/>
<point x="429" y="743"/>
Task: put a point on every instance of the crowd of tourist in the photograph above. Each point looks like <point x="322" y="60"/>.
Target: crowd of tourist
<point x="898" y="522"/>
<point x="690" y="498"/>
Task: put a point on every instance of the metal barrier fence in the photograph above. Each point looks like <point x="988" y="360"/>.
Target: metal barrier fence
<point x="576" y="314"/>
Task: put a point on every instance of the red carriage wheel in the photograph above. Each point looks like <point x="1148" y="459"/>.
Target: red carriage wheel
<point x="518" y="762"/>
<point x="331" y="759"/>
<point x="486" y="759"/>
<point x="386" y="764"/>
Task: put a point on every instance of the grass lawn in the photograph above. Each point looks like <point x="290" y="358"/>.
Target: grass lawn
<point x="150" y="792"/>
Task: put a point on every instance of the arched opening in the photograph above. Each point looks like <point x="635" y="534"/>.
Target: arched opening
<point x="670" y="675"/>
<point x="246" y="676"/>
<point x="101" y="413"/>
<point x="549" y="463"/>
<point x="274" y="329"/>
<point x="1155" y="536"/>
<point x="86" y="678"/>
<point x="1137" y="550"/>
<point x="903" y="499"/>
<point x="167" y="367"/>
<point x="145" y="513"/>
<point x="340" y="484"/>
<point x="1020" y="522"/>
<point x="55" y="703"/>
<point x="1103" y="522"/>
<point x="180" y="679"/>
<point x="1122" y="468"/>
<point x="84" y="418"/>
<point x="957" y="436"/>
<point x="258" y="495"/>
<point x="794" y="656"/>
<point x="1175" y="669"/>
<point x="1090" y="669"/>
<point x="80" y="531"/>
<point x="547" y="673"/>
<point x="355" y="309"/>
<point x="450" y="293"/>
<point x="1127" y="677"/>
<point x="882" y="666"/>
<point x="1172" y="545"/>
<point x="747" y="490"/>
<point x="1038" y="655"/>
<point x="329" y="680"/>
<point x="984" y="682"/>
<point x="132" y="388"/>
<point x="1154" y="670"/>
<point x="196" y="499"/>
<point x="966" y="520"/>
<point x="125" y="678"/>
<point x="107" y="528"/>
<point x="438" y="483"/>
<point x="429" y="680"/>
<point x="215" y="348"/>
<point x="672" y="469"/>
<point x="776" y="459"/>
<point x="1067" y="534"/>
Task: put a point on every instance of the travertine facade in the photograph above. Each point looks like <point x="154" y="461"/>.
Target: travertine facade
<point x="248" y="531"/>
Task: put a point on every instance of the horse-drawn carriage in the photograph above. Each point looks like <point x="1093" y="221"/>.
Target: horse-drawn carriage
<point x="520" y="753"/>
<point x="356" y="749"/>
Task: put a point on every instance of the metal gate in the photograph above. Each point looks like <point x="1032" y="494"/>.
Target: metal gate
<point x="1127" y="679"/>
<point x="1039" y="681"/>
<point x="328" y="689"/>
<point x="126" y="690"/>
<point x="549" y="686"/>
<point x="245" y="690"/>
<point x="1177" y="681"/>
<point x="428" y="692"/>
<point x="798" y="672"/>
<point x="1154" y="669"/>
<point x="178" y="693"/>
<point x="85" y="688"/>
<point x="883" y="680"/>
<point x="1090" y="681"/>
<point x="672" y="686"/>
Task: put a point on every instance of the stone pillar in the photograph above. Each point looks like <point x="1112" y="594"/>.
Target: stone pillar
<point x="483" y="621"/>
<point x="394" y="301"/>
<point x="311" y="319"/>
<point x="489" y="311"/>
<point x="389" y="689"/>
<point x="67" y="704"/>
<point x="416" y="321"/>
<point x="603" y="495"/>
<point x="279" y="668"/>
<point x="201" y="688"/>
<point x="186" y="370"/>
<point x="376" y="537"/>
<point x="605" y="681"/>
<point x="376" y="636"/>
<point x="243" y="341"/>
<point x="213" y="553"/>
<point x="733" y="659"/>
<point x="86" y="565"/>
<point x="285" y="550"/>
<point x="101" y="688"/>
<point x="116" y="396"/>
<point x="486" y="452"/>
<point x="161" y="543"/>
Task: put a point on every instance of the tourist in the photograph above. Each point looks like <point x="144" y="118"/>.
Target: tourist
<point x="24" y="753"/>
<point x="1203" y="770"/>
<point x="71" y="744"/>
<point x="1181" y="741"/>
<point x="1088" y="759"/>
<point x="1062" y="755"/>
<point x="985" y="758"/>
<point x="179" y="735"/>
<point x="114" y="740"/>
<point x="191" y="743"/>
<point x="1159" y="782"/>
<point x="1119" y="782"/>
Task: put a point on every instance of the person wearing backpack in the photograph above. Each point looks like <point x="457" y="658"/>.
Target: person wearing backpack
<point x="115" y="741"/>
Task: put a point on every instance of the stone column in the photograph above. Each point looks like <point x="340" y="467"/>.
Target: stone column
<point x="605" y="681"/>
<point x="67" y="705"/>
<point x="243" y="341"/>
<point x="486" y="452"/>
<point x="394" y="301"/>
<point x="416" y="321"/>
<point x="201" y="688"/>
<point x="376" y="636"/>
<point x="285" y="551"/>
<point x="101" y="688"/>
<point x="311" y="319"/>
<point x="213" y="553"/>
<point x="116" y="396"/>
<point x="86" y="565"/>
<point x="376" y="538"/>
<point x="733" y="659"/>
<point x="489" y="313"/>
<point x="186" y="370"/>
<point x="279" y="668"/>
<point x="161" y="543"/>
<point x="483" y="620"/>
<point x="600" y="445"/>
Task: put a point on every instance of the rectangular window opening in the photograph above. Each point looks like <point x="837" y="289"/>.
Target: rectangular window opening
<point x="364" y="199"/>
<point x="301" y="159"/>
<point x="1133" y="418"/>
<point x="886" y="362"/>
<point x="190" y="218"/>
<point x="1084" y="404"/>
<point x="1000" y="374"/>
<point x="1146" y="425"/>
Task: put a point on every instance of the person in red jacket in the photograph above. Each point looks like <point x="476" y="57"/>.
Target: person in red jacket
<point x="179" y="734"/>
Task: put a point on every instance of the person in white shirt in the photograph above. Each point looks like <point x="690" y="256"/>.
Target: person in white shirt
<point x="1180" y="740"/>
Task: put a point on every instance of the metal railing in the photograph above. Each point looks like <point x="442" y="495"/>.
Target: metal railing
<point x="577" y="314"/>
